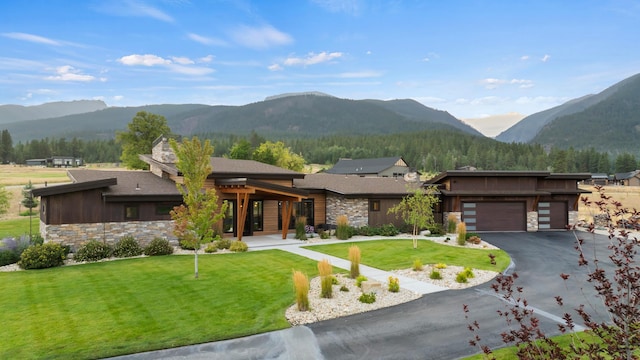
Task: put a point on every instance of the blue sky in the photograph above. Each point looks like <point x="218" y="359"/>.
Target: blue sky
<point x="471" y="58"/>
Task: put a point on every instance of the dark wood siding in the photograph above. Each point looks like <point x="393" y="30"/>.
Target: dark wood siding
<point x="495" y="216"/>
<point x="382" y="217"/>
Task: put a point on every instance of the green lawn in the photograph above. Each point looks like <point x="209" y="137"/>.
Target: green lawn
<point x="17" y="227"/>
<point x="128" y="306"/>
<point x="399" y="254"/>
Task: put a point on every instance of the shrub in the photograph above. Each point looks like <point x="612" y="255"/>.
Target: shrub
<point x="93" y="250"/>
<point x="388" y="230"/>
<point x="223" y="244"/>
<point x="462" y="233"/>
<point x="239" y="246"/>
<point x="343" y="230"/>
<point x="417" y="265"/>
<point x="301" y="285"/>
<point x="211" y="248"/>
<point x="360" y="279"/>
<point x="367" y="231"/>
<point x="461" y="277"/>
<point x="354" y="258"/>
<point x="452" y="221"/>
<point x="435" y="275"/>
<point x="324" y="234"/>
<point x="334" y="280"/>
<point x="157" y="247"/>
<point x="344" y="288"/>
<point x="301" y="222"/>
<point x="468" y="273"/>
<point x="436" y="229"/>
<point x="11" y="249"/>
<point x="42" y="256"/>
<point x="326" y="280"/>
<point x="127" y="247"/>
<point x="8" y="257"/>
<point x="394" y="284"/>
<point x="37" y="239"/>
<point x="369" y="298"/>
<point x="440" y="266"/>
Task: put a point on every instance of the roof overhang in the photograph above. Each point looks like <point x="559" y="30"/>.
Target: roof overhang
<point x="142" y="198"/>
<point x="250" y="186"/>
<point x="75" y="187"/>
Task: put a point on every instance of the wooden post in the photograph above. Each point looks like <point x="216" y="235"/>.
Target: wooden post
<point x="243" y="203"/>
<point x="287" y="210"/>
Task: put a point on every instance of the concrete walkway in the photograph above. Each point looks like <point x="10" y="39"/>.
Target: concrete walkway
<point x="294" y="246"/>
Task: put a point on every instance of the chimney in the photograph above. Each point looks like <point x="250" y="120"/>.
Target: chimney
<point x="162" y="151"/>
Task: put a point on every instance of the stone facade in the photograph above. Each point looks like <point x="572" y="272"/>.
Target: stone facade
<point x="532" y="221"/>
<point x="356" y="210"/>
<point x="76" y="235"/>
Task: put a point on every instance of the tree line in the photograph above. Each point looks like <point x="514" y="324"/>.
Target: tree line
<point x="429" y="151"/>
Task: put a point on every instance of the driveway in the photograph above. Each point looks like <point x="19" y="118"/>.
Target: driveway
<point x="434" y="327"/>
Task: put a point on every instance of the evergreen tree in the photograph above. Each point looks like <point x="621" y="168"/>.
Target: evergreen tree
<point x="28" y="200"/>
<point x="6" y="147"/>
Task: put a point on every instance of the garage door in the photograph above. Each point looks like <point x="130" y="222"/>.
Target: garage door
<point x="552" y="215"/>
<point x="494" y="216"/>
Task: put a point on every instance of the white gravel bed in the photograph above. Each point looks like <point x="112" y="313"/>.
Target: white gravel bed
<point x="448" y="275"/>
<point x="343" y="302"/>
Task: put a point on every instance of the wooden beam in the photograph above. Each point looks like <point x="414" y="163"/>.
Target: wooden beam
<point x="287" y="210"/>
<point x="243" y="203"/>
<point x="535" y="203"/>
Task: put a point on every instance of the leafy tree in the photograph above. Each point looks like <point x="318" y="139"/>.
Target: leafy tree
<point x="278" y="154"/>
<point x="6" y="147"/>
<point x="143" y="129"/>
<point x="27" y="199"/>
<point x="241" y="150"/>
<point x="201" y="210"/>
<point x="416" y="210"/>
<point x="5" y="197"/>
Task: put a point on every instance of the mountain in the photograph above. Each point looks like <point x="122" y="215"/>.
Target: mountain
<point x="611" y="124"/>
<point x="529" y="129"/>
<point x="287" y="115"/>
<point x="15" y="113"/>
<point x="493" y="124"/>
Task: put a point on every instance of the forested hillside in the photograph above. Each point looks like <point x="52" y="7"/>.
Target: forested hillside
<point x="16" y="113"/>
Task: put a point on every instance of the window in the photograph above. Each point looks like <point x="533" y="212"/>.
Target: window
<point x="227" y="223"/>
<point x="164" y="209"/>
<point x="257" y="215"/>
<point x="374" y="205"/>
<point x="131" y="212"/>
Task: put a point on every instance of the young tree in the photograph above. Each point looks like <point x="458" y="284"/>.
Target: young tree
<point x="416" y="209"/>
<point x="143" y="129"/>
<point x="201" y="210"/>
<point x="5" y="197"/>
<point x="278" y="154"/>
<point x="27" y="199"/>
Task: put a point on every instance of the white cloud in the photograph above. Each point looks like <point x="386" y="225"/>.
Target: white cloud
<point x="546" y="58"/>
<point x="359" y="74"/>
<point x="491" y="83"/>
<point x="431" y="100"/>
<point x="206" y="40"/>
<point x="69" y="73"/>
<point x="312" y="59"/>
<point x="487" y="100"/>
<point x="146" y="60"/>
<point x="182" y="60"/>
<point x="176" y="64"/>
<point x="524" y="57"/>
<point x="344" y="6"/>
<point x="134" y="8"/>
<point x="118" y="97"/>
<point x="275" y="67"/>
<point x="32" y="38"/>
<point x="206" y="59"/>
<point x="260" y="37"/>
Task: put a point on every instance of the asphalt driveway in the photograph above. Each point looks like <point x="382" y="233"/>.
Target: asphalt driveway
<point x="434" y="327"/>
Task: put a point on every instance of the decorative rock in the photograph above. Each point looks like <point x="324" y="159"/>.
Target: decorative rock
<point x="371" y="286"/>
<point x="425" y="232"/>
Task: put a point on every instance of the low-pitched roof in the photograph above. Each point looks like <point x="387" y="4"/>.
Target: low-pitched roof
<point x="354" y="185"/>
<point x="233" y="168"/>
<point x="627" y="175"/>
<point x="364" y="166"/>
<point x="131" y="185"/>
<point x="500" y="173"/>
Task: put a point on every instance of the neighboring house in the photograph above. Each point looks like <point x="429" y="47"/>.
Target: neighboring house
<point x="383" y="167"/>
<point x="56" y="161"/>
<point x="510" y="200"/>
<point x="628" y="179"/>
<point x="598" y="179"/>
<point x="364" y="200"/>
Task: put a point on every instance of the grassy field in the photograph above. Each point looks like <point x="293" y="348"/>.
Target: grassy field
<point x="629" y="196"/>
<point x="20" y="175"/>
<point x="126" y="306"/>
<point x="399" y="254"/>
<point x="19" y="226"/>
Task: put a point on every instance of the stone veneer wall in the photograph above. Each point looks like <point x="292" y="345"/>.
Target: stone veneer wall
<point x="357" y="210"/>
<point x="532" y="221"/>
<point x="76" y="235"/>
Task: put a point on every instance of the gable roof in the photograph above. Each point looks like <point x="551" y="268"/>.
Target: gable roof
<point x="365" y="166"/>
<point x="355" y="185"/>
<point x="233" y="168"/>
<point x="627" y="175"/>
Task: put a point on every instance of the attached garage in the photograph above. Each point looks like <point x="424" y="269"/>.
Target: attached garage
<point x="495" y="216"/>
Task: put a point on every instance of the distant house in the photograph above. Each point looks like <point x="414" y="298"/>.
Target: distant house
<point x="628" y="179"/>
<point x="382" y="167"/>
<point x="56" y="161"/>
<point x="598" y="179"/>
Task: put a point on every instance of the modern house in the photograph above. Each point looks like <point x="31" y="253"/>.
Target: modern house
<point x="383" y="167"/>
<point x="510" y="200"/>
<point x="56" y="161"/>
<point x="627" y="179"/>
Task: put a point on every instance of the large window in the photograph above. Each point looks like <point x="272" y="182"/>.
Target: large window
<point x="227" y="224"/>
<point x="256" y="218"/>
